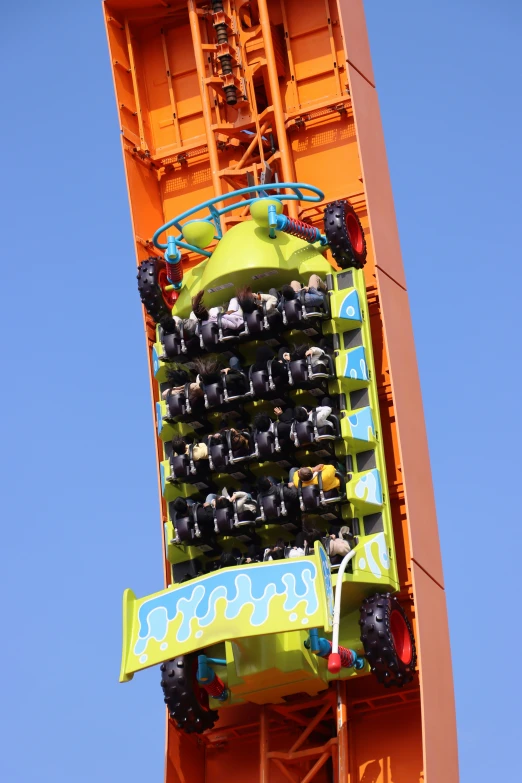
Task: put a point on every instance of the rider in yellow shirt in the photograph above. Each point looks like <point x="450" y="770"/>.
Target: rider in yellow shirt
<point x="309" y="476"/>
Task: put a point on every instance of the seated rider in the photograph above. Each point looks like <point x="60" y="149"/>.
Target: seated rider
<point x="300" y="413"/>
<point x="297" y="352"/>
<point x="308" y="476"/>
<point x="232" y="316"/>
<point x="228" y="559"/>
<point x="298" y="548"/>
<point x="263" y="422"/>
<point x="291" y="499"/>
<point x="177" y="381"/>
<point x="265" y="354"/>
<point x="237" y="380"/>
<point x="267" y="485"/>
<point x="252" y="555"/>
<point x="315" y="292"/>
<point x="322" y="413"/>
<point x="176" y="378"/>
<point x="239" y="441"/>
<point x="318" y="359"/>
<point x="250" y="300"/>
<point x="199" y="451"/>
<point x="339" y="543"/>
<point x="210" y="370"/>
<point x="204" y="513"/>
<point x="245" y="505"/>
<point x="311" y="536"/>
<point x="276" y="552"/>
<point x="170" y="323"/>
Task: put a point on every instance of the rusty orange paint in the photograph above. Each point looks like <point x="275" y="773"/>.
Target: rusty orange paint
<point x="308" y="81"/>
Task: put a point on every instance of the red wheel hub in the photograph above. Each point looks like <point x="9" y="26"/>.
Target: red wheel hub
<point x="401" y="637"/>
<point x="354" y="232"/>
<point x="169" y="297"/>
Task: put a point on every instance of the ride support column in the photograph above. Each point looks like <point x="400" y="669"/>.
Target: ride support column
<point x="282" y="139"/>
<point x="342" y="734"/>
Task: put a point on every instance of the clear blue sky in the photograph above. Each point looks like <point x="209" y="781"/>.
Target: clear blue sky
<point x="79" y="491"/>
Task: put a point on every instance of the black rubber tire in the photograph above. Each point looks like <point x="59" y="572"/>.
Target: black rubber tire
<point x="186" y="702"/>
<point x="155" y="300"/>
<point x="390" y="662"/>
<point x="345" y="235"/>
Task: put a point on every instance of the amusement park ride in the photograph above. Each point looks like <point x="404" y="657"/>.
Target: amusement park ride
<point x="301" y="631"/>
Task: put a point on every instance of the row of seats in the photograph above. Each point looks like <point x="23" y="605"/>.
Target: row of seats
<point x="225" y="451"/>
<point x="258" y="384"/>
<point x="200" y="521"/>
<point x="338" y="542"/>
<point x="191" y="335"/>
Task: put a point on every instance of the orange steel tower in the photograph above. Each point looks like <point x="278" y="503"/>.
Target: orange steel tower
<point x="290" y="88"/>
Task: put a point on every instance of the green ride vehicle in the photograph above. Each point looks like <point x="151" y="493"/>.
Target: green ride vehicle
<point x="288" y="619"/>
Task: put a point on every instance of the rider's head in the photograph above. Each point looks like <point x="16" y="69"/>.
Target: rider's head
<point x="305" y="474"/>
<point x="198" y="308"/>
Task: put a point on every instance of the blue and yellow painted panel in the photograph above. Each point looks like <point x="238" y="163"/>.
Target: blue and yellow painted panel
<point x="372" y="562"/>
<point x="232" y="603"/>
<point x="358" y="429"/>
<point x="346" y="307"/>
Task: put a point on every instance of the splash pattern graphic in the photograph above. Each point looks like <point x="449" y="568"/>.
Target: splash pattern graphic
<point x="369" y="488"/>
<point x="356" y="366"/>
<point x="350" y="308"/>
<point x="377" y="545"/>
<point x="159" y="418"/>
<point x="162" y="476"/>
<point x="327" y="575"/>
<point x="194" y="607"/>
<point x="361" y="424"/>
<point x="155" y="360"/>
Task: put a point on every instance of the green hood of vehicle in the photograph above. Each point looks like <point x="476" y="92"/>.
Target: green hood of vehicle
<point x="248" y="256"/>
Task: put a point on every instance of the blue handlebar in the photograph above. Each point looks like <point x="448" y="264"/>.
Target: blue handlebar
<point x="259" y="191"/>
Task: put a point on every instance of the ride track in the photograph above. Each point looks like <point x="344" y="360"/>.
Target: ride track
<point x="215" y="97"/>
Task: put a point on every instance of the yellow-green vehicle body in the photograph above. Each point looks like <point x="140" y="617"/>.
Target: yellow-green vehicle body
<point x="256" y="617"/>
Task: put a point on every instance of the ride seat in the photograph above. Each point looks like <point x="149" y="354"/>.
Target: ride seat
<point x="178" y="404"/>
<point x="298" y="372"/>
<point x="180" y="467"/>
<point x="266" y="444"/>
<point x="326" y="365"/>
<point x="259" y="382"/>
<point x="303" y="432"/>
<point x="242" y="454"/>
<point x="269" y="507"/>
<point x="183" y="468"/>
<point x="208" y="334"/>
<point x="218" y="457"/>
<point x="313" y="496"/>
<point x="325" y="432"/>
<point x="184" y="529"/>
<point x="254" y="322"/>
<point x="227" y="335"/>
<point x="214" y="395"/>
<point x="314" y="310"/>
<point x="224" y="521"/>
<point x="274" y="382"/>
<point x="272" y="506"/>
<point x="179" y="343"/>
<point x="274" y="320"/>
<point x="243" y="518"/>
<point x="173" y="346"/>
<point x="292" y="312"/>
<point x="230" y="398"/>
